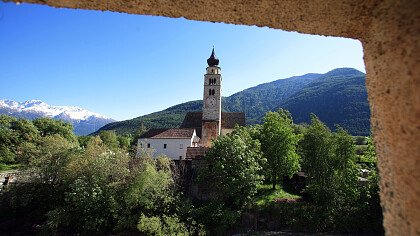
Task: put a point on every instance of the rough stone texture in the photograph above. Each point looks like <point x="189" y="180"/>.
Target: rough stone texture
<point x="209" y="131"/>
<point x="389" y="31"/>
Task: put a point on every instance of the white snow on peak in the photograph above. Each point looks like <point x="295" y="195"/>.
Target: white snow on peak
<point x="38" y="106"/>
<point x="8" y="103"/>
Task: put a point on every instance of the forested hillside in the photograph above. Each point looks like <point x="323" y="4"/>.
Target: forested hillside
<point x="256" y="101"/>
<point x="337" y="97"/>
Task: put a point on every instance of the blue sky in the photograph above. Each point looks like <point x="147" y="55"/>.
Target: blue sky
<point x="124" y="66"/>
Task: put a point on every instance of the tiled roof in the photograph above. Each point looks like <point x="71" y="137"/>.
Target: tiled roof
<point x="169" y="133"/>
<point x="196" y="152"/>
<point x="192" y="120"/>
<point x="229" y="120"/>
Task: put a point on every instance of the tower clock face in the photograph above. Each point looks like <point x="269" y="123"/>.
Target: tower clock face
<point x="211" y="102"/>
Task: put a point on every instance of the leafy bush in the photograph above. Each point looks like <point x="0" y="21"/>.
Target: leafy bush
<point x="160" y="226"/>
<point x="234" y="168"/>
<point x="279" y="143"/>
<point x="215" y="215"/>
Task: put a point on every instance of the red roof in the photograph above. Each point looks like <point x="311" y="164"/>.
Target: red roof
<point x="168" y="133"/>
<point x="229" y="120"/>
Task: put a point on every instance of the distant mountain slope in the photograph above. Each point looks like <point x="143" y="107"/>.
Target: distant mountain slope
<point x="84" y="121"/>
<point x="337" y="97"/>
<point x="265" y="97"/>
<point x="169" y="118"/>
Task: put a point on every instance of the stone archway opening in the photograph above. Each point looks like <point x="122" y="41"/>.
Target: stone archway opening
<point x="389" y="32"/>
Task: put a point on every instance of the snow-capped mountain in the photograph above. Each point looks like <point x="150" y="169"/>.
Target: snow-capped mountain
<point x="84" y="121"/>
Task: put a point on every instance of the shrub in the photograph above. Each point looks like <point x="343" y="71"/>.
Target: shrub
<point x="160" y="226"/>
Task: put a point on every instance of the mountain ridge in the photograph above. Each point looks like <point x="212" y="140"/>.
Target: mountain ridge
<point x="84" y="121"/>
<point x="347" y="84"/>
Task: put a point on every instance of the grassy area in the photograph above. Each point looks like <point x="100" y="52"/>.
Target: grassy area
<point x="9" y="167"/>
<point x="266" y="194"/>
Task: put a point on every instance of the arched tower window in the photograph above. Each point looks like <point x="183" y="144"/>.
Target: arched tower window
<point x="209" y="91"/>
<point x="212" y="71"/>
<point x="212" y="81"/>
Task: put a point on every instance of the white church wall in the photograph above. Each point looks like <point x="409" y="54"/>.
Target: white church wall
<point x="176" y="148"/>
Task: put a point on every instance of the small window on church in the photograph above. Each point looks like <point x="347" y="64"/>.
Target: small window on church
<point x="212" y="70"/>
<point x="148" y="145"/>
<point x="164" y="145"/>
<point x="209" y="91"/>
<point x="212" y="81"/>
<point x="181" y="146"/>
<point x="180" y="157"/>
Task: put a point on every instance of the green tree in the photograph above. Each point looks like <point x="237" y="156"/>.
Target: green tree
<point x="14" y="133"/>
<point x="231" y="174"/>
<point x="369" y="203"/>
<point x="48" y="126"/>
<point x="25" y="130"/>
<point x="49" y="158"/>
<point x="329" y="162"/>
<point x="369" y="156"/>
<point x="109" y="138"/>
<point x="138" y="132"/>
<point x="124" y="141"/>
<point x="234" y="167"/>
<point x="160" y="226"/>
<point x="83" y="140"/>
<point x="151" y="187"/>
<point x="95" y="177"/>
<point x="279" y="144"/>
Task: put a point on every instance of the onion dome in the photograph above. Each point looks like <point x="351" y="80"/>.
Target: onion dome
<point x="213" y="61"/>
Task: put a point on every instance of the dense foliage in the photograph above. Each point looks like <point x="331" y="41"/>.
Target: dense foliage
<point x="95" y="185"/>
<point x="92" y="187"/>
<point x="338" y="199"/>
<point x="279" y="143"/>
<point x="337" y="97"/>
<point x="335" y="197"/>
<point x="329" y="162"/>
<point x="235" y="166"/>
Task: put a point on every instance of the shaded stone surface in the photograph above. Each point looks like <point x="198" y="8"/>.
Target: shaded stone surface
<point x="389" y="31"/>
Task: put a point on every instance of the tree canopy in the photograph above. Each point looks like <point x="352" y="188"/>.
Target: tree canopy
<point x="279" y="143"/>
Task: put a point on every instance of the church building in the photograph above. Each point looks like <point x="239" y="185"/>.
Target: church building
<point x="198" y="129"/>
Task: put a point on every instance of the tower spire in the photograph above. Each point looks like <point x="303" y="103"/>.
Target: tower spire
<point x="213" y="61"/>
<point x="212" y="106"/>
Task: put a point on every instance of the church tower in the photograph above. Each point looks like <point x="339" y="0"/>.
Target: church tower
<point x="212" y="102"/>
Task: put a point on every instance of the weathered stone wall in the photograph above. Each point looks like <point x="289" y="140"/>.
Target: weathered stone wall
<point x="210" y="130"/>
<point x="389" y="31"/>
<point x="392" y="59"/>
